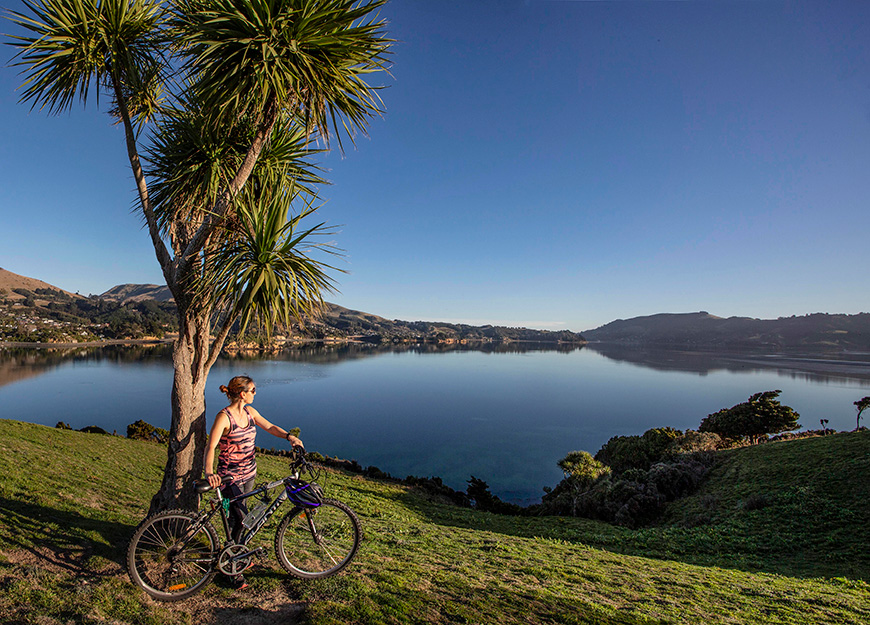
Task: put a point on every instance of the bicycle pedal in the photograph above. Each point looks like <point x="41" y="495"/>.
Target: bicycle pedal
<point x="262" y="552"/>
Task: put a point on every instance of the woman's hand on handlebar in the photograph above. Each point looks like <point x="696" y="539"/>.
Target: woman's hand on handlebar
<point x="214" y="479"/>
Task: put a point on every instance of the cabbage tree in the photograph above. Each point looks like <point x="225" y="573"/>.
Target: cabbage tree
<point x="219" y="101"/>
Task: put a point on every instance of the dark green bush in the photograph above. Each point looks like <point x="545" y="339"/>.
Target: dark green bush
<point x="93" y="429"/>
<point x="756" y="502"/>
<point x="760" y="415"/>
<point x="633" y="497"/>
<point x="621" y="453"/>
<point x="482" y="499"/>
<point x="677" y="479"/>
<point x="140" y="430"/>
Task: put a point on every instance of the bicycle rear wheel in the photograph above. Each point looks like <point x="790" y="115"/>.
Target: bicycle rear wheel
<point x="318" y="542"/>
<point x="170" y="561"/>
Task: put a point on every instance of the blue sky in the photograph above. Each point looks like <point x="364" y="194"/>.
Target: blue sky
<point x="545" y="164"/>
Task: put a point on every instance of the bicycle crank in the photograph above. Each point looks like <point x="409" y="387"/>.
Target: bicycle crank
<point x="236" y="558"/>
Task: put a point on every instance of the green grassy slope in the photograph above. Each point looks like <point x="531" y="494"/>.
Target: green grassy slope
<point x="798" y="507"/>
<point x="69" y="501"/>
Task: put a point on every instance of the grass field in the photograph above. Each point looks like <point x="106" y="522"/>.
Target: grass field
<point x="778" y="533"/>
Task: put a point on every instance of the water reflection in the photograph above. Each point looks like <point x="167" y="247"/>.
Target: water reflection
<point x="21" y="363"/>
<point x="816" y="366"/>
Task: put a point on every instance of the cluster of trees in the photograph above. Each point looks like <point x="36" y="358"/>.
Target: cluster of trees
<point x="631" y="478"/>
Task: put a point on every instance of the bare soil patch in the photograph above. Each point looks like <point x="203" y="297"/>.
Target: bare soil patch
<point x="250" y="606"/>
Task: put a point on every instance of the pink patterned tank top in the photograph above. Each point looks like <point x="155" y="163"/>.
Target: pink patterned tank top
<point x="236" y="457"/>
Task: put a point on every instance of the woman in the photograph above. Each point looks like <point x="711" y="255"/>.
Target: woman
<point x="234" y="432"/>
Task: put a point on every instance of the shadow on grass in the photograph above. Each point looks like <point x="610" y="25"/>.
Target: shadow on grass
<point x="62" y="538"/>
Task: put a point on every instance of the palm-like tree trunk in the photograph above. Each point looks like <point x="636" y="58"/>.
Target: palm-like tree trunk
<point x="187" y="437"/>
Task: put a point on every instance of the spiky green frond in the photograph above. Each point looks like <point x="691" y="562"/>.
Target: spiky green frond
<point x="77" y="45"/>
<point x="192" y="160"/>
<point x="264" y="270"/>
<point x="308" y="56"/>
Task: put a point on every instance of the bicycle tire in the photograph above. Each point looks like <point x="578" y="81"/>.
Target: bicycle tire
<point x="338" y="538"/>
<point x="156" y="567"/>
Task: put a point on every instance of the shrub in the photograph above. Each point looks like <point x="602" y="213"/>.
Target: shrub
<point x="756" y="502"/>
<point x="581" y="471"/>
<point x="93" y="429"/>
<point x="638" y="452"/>
<point x="693" y="442"/>
<point x="435" y="486"/>
<point x="140" y="430"/>
<point x="481" y="499"/>
<point x="582" y="468"/>
<point x="628" y="502"/>
<point x="675" y="480"/>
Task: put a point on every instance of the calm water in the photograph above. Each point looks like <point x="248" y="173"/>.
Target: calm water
<point x="506" y="417"/>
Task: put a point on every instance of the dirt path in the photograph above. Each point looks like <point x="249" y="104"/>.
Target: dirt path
<point x="246" y="607"/>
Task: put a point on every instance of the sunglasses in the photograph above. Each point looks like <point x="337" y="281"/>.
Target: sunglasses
<point x="252" y="390"/>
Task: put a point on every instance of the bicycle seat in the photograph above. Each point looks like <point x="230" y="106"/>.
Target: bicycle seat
<point x="202" y="486"/>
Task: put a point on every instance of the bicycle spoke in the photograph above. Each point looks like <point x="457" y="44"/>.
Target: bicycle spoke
<point x="169" y="560"/>
<point x="320" y="542"/>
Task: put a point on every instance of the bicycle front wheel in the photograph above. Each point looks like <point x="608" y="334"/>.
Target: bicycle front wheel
<point x="318" y="542"/>
<point x="170" y="558"/>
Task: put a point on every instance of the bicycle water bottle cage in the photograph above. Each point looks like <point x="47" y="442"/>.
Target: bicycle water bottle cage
<point x="304" y="493"/>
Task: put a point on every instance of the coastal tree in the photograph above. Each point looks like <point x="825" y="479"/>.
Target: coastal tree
<point x="575" y="494"/>
<point x="582" y="472"/>
<point x="220" y="103"/>
<point x="861" y="405"/>
<point x="760" y="415"/>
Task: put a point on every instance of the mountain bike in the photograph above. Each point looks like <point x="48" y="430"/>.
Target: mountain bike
<point x="175" y="553"/>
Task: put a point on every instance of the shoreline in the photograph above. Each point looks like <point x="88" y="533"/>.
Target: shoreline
<point x="107" y="342"/>
<point x="801" y="363"/>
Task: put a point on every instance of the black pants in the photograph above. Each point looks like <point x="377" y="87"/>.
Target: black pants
<point x="239" y="509"/>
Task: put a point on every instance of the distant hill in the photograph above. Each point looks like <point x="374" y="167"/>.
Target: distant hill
<point x="137" y="293"/>
<point x="10" y="281"/>
<point x="701" y="329"/>
<point x="340" y="321"/>
<point x="816" y="331"/>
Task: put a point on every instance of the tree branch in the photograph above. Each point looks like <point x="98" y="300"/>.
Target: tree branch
<point x="219" y="340"/>
<point x="270" y="116"/>
<point x="163" y="255"/>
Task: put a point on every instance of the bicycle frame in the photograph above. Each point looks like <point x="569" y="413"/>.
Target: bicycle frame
<point x="273" y="507"/>
<point x="221" y="504"/>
